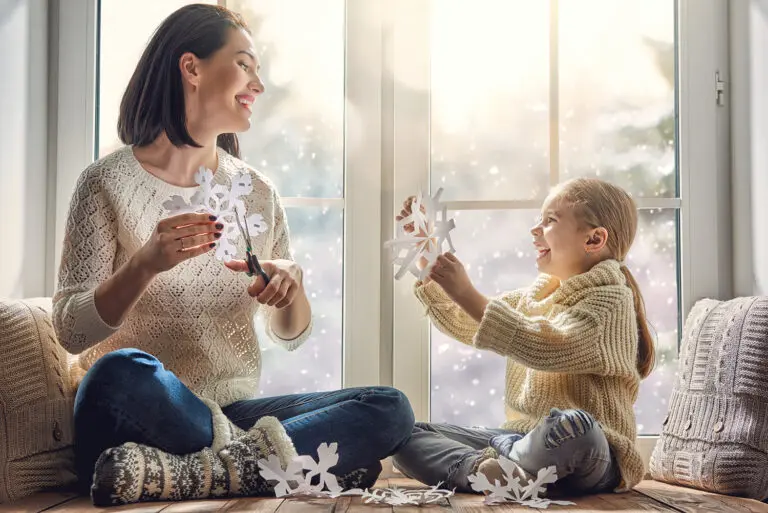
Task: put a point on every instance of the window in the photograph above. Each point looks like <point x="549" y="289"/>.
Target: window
<point x="297" y="140"/>
<point x="533" y="94"/>
<point x="495" y="101"/>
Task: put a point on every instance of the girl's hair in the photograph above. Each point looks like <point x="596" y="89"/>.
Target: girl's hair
<point x="153" y="102"/>
<point x="601" y="204"/>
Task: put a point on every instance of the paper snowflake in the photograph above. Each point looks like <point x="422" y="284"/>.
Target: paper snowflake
<point x="430" y="235"/>
<point x="406" y="497"/>
<point x="296" y="481"/>
<point x="221" y="202"/>
<point x="513" y="491"/>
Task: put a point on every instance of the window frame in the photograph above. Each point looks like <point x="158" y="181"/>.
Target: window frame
<point x="382" y="318"/>
<point x="703" y="149"/>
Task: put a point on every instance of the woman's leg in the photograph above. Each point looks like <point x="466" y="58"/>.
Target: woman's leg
<point x="574" y="443"/>
<point x="155" y="440"/>
<point x="443" y="453"/>
<point x="127" y="396"/>
<point x="368" y="423"/>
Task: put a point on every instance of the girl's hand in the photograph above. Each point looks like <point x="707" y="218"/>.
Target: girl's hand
<point x="409" y="228"/>
<point x="284" y="281"/>
<point x="450" y="274"/>
<point x="176" y="239"/>
<point x="406" y="211"/>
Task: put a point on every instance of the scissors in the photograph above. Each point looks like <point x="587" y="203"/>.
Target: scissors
<point x="253" y="263"/>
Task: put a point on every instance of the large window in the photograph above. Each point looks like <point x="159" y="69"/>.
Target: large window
<point x="531" y="94"/>
<point x="297" y="140"/>
<point x="493" y="100"/>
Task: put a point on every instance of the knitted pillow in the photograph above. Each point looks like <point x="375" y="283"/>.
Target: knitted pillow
<point x="36" y="402"/>
<point x="715" y="436"/>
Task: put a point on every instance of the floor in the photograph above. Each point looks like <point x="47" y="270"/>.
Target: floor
<point x="648" y="496"/>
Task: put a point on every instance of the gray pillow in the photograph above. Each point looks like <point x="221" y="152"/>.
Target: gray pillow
<point x="715" y="436"/>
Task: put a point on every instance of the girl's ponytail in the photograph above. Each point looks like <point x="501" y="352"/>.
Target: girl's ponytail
<point x="646" y="352"/>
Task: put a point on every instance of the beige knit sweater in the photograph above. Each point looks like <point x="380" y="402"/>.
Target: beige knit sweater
<point x="568" y="345"/>
<point x="196" y="318"/>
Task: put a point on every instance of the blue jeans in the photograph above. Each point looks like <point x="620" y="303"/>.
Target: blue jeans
<point x="571" y="440"/>
<point x="128" y="396"/>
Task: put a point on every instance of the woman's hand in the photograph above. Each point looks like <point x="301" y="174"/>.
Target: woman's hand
<point x="176" y="239"/>
<point x="285" y="277"/>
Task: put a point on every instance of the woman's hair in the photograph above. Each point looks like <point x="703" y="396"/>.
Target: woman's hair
<point x="153" y="102"/>
<point x="600" y="204"/>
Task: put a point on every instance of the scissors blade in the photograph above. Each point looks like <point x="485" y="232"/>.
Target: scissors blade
<point x="243" y="231"/>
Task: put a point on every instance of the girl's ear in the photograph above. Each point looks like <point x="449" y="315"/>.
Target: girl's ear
<point x="597" y="239"/>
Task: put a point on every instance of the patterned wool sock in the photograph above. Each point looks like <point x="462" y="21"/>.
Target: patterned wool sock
<point x="136" y="473"/>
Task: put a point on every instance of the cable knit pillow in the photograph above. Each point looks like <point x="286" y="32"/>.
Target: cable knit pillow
<point x="36" y="402"/>
<point x="715" y="436"/>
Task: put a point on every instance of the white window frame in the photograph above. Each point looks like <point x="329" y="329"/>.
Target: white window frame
<point x="386" y="338"/>
<point x="704" y="161"/>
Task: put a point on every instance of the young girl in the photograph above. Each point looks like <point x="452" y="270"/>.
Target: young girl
<point x="577" y="345"/>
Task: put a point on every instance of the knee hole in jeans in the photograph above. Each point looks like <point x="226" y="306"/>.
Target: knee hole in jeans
<point x="569" y="425"/>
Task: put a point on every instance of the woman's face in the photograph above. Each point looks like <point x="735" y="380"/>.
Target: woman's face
<point x="225" y="87"/>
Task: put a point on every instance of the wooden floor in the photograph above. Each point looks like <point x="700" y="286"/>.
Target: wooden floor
<point x="648" y="496"/>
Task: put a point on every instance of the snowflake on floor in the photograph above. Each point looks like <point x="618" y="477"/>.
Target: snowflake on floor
<point x="514" y="491"/>
<point x="221" y="202"/>
<point x="396" y="496"/>
<point x="295" y="480"/>
<point x="431" y="232"/>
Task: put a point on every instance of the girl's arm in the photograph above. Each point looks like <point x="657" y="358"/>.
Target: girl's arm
<point x="449" y="317"/>
<point x="594" y="336"/>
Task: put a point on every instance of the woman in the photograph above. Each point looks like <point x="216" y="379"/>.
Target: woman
<point x="166" y="409"/>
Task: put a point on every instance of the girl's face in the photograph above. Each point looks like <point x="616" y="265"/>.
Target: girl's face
<point x="225" y="86"/>
<point x="563" y="244"/>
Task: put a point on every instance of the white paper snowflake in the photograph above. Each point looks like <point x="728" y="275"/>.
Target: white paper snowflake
<point x="296" y="481"/>
<point x="217" y="200"/>
<point x="513" y="491"/>
<point x="430" y="235"/>
<point x="407" y="497"/>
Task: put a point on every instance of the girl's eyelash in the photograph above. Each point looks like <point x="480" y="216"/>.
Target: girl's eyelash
<point x="244" y="66"/>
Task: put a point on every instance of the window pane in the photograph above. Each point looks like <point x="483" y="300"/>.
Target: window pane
<point x="316" y="238"/>
<point x="467" y="384"/>
<point x="126" y="28"/>
<point x="617" y="93"/>
<point x="653" y="262"/>
<point x="297" y="128"/>
<point x="490" y="98"/>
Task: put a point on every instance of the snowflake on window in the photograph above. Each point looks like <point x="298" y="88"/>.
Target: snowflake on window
<point x="221" y="202"/>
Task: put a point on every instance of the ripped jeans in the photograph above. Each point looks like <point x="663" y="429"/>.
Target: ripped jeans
<point x="571" y="440"/>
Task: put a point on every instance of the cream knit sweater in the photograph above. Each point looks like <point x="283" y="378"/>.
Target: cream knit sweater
<point x="196" y="318"/>
<point x="568" y="345"/>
